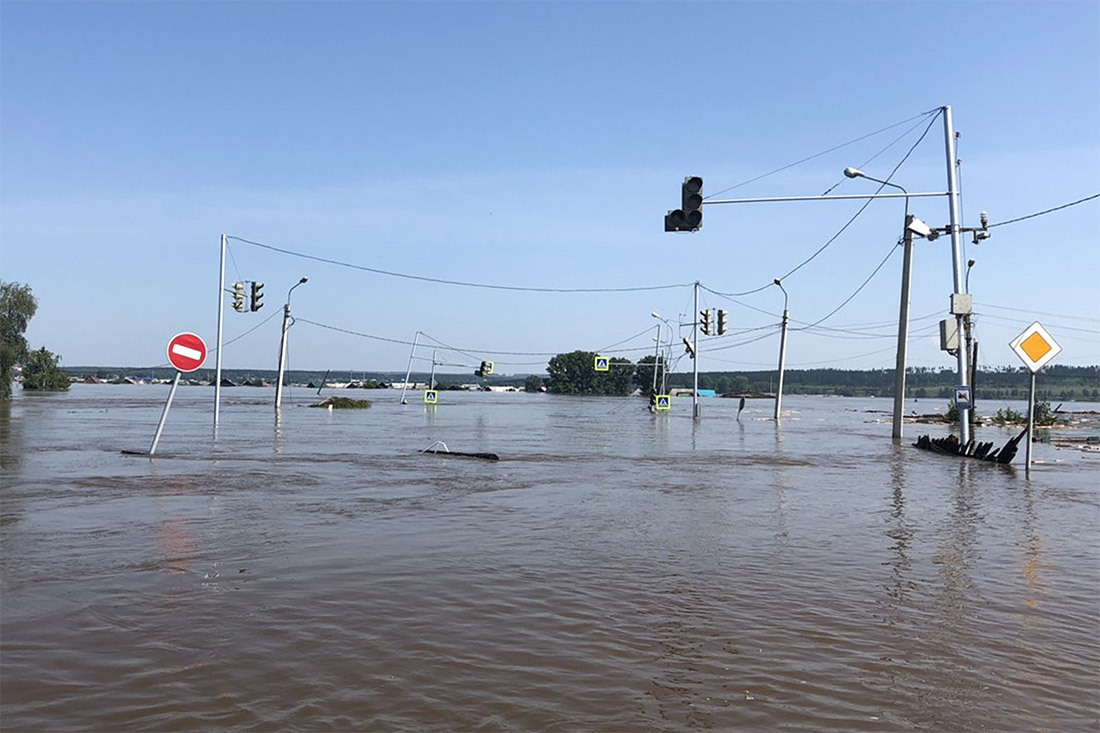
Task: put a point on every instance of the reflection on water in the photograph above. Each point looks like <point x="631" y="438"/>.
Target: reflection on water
<point x="616" y="570"/>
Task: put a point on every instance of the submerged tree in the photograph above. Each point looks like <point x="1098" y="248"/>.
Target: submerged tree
<point x="41" y="372"/>
<point x="17" y="307"/>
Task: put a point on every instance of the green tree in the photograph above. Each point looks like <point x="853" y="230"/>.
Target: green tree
<point x="17" y="307"/>
<point x="41" y="372"/>
<point x="574" y="373"/>
<point x="533" y="383"/>
<point x="643" y="374"/>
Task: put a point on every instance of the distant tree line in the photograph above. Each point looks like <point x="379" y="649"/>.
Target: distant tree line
<point x="574" y="373"/>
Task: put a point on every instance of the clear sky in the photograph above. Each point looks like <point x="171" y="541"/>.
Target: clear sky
<point x="536" y="147"/>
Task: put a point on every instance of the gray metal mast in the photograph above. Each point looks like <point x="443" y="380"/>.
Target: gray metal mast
<point x="956" y="256"/>
<point x="695" y="361"/>
<point x="218" y="358"/>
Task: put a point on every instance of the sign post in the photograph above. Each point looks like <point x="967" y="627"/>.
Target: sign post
<point x="1036" y="348"/>
<point x="186" y="352"/>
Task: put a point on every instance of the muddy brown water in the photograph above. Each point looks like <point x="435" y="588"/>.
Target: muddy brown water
<point x="614" y="571"/>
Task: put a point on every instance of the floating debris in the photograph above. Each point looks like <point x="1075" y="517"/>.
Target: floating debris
<point x="950" y="446"/>
<point x="343" y="403"/>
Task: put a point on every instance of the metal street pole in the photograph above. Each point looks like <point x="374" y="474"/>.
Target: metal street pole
<point x="782" y="353"/>
<point x="176" y="383"/>
<point x="956" y="258"/>
<point x="695" y="361"/>
<point x="282" y="345"/>
<point x="405" y="385"/>
<point x="1030" y="425"/>
<point x="218" y="359"/>
<point x="656" y="352"/>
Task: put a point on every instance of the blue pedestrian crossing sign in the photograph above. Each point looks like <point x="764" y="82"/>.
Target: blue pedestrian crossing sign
<point x="603" y="364"/>
<point x="663" y="402"/>
<point x="431" y="396"/>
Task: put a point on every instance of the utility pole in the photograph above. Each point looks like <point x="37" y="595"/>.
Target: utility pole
<point x="782" y="353"/>
<point x="405" y="385"/>
<point x="282" y="345"/>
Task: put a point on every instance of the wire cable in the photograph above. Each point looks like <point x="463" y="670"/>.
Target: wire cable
<point x="1047" y="211"/>
<point x="854" y="294"/>
<point x="462" y="283"/>
<point x="823" y="152"/>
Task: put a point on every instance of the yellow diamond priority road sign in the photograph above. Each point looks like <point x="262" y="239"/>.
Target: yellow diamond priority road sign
<point x="1035" y="347"/>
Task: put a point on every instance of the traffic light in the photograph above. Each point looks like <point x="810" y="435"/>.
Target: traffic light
<point x="721" y="321"/>
<point x="688" y="348"/>
<point x="238" y="297"/>
<point x="485" y="369"/>
<point x="257" y="296"/>
<point x="704" y="321"/>
<point x="689" y="217"/>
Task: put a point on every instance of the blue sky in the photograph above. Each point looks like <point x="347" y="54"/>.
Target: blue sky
<point x="538" y="145"/>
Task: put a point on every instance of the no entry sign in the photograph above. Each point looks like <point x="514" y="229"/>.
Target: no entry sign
<point x="186" y="351"/>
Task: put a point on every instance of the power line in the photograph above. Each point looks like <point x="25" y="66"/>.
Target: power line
<point x="823" y="152"/>
<point x="854" y="294"/>
<point x="1047" y="211"/>
<point x="847" y="224"/>
<point x="1040" y="313"/>
<point x="462" y="283"/>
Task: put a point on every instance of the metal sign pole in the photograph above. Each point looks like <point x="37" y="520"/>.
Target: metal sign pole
<point x="1030" y="425"/>
<point x="164" y="415"/>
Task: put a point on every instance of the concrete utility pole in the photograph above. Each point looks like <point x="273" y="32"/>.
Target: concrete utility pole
<point x="282" y="345"/>
<point x="782" y="353"/>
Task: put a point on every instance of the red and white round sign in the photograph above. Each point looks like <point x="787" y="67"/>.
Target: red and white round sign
<point x="186" y="351"/>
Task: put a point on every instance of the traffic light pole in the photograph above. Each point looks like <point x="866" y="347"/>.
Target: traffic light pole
<point x="218" y="358"/>
<point x="695" y="360"/>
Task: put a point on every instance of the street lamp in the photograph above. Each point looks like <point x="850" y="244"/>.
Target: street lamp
<point x="913" y="226"/>
<point x="282" y="344"/>
<point x="782" y="352"/>
<point x="664" y="365"/>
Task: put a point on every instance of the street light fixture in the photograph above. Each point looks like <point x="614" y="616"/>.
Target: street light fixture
<point x="282" y="345"/>
<point x="668" y="353"/>
<point x="913" y="226"/>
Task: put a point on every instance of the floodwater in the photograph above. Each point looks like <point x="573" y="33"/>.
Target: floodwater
<point x="614" y="571"/>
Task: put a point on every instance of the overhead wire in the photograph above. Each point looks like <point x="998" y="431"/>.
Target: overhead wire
<point x="823" y="152"/>
<point x="462" y="283"/>
<point x="1045" y="211"/>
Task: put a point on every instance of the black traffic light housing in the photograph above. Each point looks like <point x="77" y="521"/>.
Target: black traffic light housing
<point x="485" y="369"/>
<point x="704" y="321"/>
<point x="257" y="296"/>
<point x="721" y="321"/>
<point x="689" y="217"/>
<point x="689" y="348"/>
